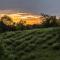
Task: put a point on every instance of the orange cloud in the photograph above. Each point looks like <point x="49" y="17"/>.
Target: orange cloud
<point x="28" y="19"/>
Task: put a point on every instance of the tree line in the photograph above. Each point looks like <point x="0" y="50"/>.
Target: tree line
<point x="50" y="21"/>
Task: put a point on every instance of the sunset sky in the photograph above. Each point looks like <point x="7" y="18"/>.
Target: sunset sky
<point x="47" y="6"/>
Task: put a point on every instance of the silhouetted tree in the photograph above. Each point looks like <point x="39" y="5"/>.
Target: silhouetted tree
<point x="4" y="21"/>
<point x="50" y="21"/>
<point x="53" y="21"/>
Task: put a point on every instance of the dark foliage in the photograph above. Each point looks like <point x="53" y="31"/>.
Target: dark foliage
<point x="50" y="22"/>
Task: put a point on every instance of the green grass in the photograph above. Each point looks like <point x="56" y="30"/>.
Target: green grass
<point x="36" y="44"/>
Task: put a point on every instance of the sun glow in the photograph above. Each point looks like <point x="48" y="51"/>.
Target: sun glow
<point x="28" y="19"/>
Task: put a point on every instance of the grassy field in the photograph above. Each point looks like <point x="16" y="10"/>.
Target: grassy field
<point x="36" y="44"/>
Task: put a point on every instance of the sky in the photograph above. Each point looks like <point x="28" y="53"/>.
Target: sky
<point x="51" y="7"/>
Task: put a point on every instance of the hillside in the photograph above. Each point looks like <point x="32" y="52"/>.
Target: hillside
<point x="36" y="44"/>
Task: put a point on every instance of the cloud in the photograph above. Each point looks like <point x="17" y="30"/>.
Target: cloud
<point x="46" y="6"/>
